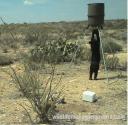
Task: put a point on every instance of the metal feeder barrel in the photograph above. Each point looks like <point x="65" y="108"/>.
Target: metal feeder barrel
<point x="96" y="14"/>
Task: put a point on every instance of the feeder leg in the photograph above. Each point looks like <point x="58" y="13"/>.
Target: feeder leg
<point x="103" y="57"/>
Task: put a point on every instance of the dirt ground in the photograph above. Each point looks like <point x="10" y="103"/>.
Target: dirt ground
<point x="112" y="96"/>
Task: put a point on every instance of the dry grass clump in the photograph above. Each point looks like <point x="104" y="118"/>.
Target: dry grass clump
<point x="43" y="95"/>
<point x="111" y="46"/>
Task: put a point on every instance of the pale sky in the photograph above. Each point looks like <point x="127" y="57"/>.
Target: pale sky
<point x="34" y="11"/>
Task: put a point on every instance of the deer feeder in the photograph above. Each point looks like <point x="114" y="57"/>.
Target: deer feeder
<point x="96" y="15"/>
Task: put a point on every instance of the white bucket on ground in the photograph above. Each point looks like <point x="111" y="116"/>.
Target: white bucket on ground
<point x="89" y="96"/>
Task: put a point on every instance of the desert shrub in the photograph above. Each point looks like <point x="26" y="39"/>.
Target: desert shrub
<point x="26" y="59"/>
<point x="110" y="46"/>
<point x="34" y="66"/>
<point x="120" y="35"/>
<point x="7" y="41"/>
<point x="31" y="37"/>
<point x="123" y="66"/>
<point x="87" y="54"/>
<point x="36" y="36"/>
<point x="112" y="62"/>
<point x="43" y="95"/>
<point x="5" y="49"/>
<point x="5" y="60"/>
<point x="55" y="51"/>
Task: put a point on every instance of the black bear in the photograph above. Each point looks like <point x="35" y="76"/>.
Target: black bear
<point x="95" y="57"/>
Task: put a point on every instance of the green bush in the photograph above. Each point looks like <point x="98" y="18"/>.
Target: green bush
<point x="55" y="51"/>
<point x="5" y="60"/>
<point x="110" y="46"/>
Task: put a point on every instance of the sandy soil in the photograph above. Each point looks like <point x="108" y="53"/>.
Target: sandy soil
<point x="112" y="96"/>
